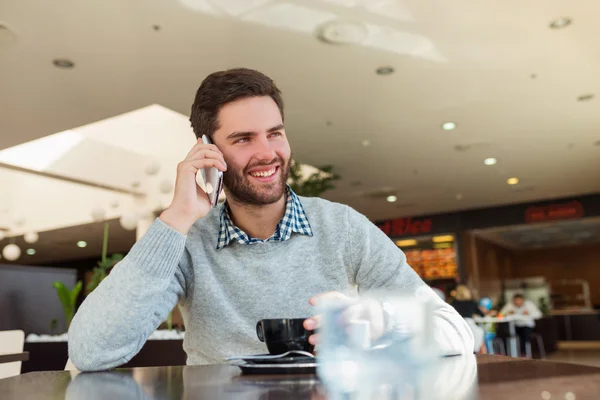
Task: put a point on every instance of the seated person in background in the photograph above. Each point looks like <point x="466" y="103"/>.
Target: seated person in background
<point x="464" y="304"/>
<point x="485" y="306"/>
<point x="265" y="253"/>
<point x="522" y="307"/>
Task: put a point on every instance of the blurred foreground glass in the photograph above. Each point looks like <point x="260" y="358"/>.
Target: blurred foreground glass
<point x="382" y="346"/>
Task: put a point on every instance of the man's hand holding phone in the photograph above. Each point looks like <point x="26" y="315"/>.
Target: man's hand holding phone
<point x="190" y="202"/>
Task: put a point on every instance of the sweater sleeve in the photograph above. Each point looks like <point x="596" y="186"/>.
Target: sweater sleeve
<point x="378" y="264"/>
<point x="534" y="311"/>
<point x="115" y="320"/>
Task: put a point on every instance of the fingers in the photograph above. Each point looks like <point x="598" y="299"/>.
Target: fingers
<point x="203" y="147"/>
<point x="199" y="145"/>
<point x="313" y="301"/>
<point x="313" y="323"/>
<point x="208" y="154"/>
<point x="195" y="165"/>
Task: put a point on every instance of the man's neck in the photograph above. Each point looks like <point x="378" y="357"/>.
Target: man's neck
<point x="257" y="221"/>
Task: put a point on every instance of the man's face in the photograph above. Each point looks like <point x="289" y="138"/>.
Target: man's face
<point x="255" y="147"/>
<point x="518" y="301"/>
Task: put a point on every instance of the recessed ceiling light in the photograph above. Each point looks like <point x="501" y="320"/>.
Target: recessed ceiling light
<point x="512" y="181"/>
<point x="384" y="70"/>
<point x="366" y="143"/>
<point x="560" y="23"/>
<point x="391" y="199"/>
<point x="406" y="243"/>
<point x="443" y="238"/>
<point x="63" y="63"/>
<point x="585" y="97"/>
<point x="490" y="161"/>
<point x="82" y="244"/>
<point x="30" y="252"/>
<point x="448" y="126"/>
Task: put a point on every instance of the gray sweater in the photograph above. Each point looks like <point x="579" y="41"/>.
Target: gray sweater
<point x="223" y="293"/>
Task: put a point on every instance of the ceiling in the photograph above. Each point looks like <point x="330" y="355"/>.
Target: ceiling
<point x="60" y="245"/>
<point x="495" y="68"/>
<point x="544" y="235"/>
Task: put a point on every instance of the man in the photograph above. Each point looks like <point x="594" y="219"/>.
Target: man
<point x="266" y="253"/>
<point x="529" y="311"/>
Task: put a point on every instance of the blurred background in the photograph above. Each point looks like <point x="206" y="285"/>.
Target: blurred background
<point x="468" y="131"/>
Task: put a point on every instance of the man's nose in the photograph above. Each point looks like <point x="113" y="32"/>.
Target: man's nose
<point x="264" y="150"/>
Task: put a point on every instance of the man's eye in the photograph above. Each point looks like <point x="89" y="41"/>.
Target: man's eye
<point x="276" y="134"/>
<point x="241" y="140"/>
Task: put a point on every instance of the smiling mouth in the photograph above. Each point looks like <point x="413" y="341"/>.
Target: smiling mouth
<point x="264" y="174"/>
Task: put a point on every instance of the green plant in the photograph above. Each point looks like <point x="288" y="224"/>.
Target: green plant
<point x="53" y="325"/>
<point x="544" y="308"/>
<point x="68" y="298"/>
<point x="313" y="185"/>
<point x="104" y="265"/>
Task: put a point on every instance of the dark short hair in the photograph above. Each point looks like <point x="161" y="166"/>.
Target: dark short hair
<point x="518" y="296"/>
<point x="220" y="88"/>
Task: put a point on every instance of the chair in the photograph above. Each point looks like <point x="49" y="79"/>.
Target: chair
<point x="540" y="345"/>
<point x="11" y="342"/>
<point x="498" y="346"/>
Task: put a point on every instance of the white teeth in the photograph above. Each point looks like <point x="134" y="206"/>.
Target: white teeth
<point x="263" y="174"/>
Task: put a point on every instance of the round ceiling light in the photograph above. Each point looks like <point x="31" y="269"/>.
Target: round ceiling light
<point x="391" y="199"/>
<point x="385" y="70"/>
<point x="82" y="244"/>
<point x="512" y="181"/>
<point x="63" y="63"/>
<point x="30" y="252"/>
<point x="11" y="252"/>
<point x="31" y="237"/>
<point x="342" y="32"/>
<point x="448" y="126"/>
<point x="366" y="143"/>
<point x="560" y="23"/>
<point x="490" y="161"/>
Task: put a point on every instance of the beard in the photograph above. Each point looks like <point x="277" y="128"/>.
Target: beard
<point x="240" y="186"/>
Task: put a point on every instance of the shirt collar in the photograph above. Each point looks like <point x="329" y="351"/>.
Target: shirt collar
<point x="294" y="221"/>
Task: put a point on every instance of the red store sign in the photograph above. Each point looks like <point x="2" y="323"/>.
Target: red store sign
<point x="406" y="226"/>
<point x="553" y="212"/>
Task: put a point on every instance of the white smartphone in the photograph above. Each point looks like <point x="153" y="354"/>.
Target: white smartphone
<point x="213" y="179"/>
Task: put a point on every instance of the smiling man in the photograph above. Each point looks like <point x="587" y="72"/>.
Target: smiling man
<point x="265" y="253"/>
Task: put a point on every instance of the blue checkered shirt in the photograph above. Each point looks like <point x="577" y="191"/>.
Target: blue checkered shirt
<point x="294" y="220"/>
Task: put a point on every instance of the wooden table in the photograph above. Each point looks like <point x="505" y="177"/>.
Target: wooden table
<point x="512" y="341"/>
<point x="6" y="358"/>
<point x="497" y="377"/>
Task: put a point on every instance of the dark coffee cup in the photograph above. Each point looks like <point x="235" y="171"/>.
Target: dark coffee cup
<point x="282" y="335"/>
